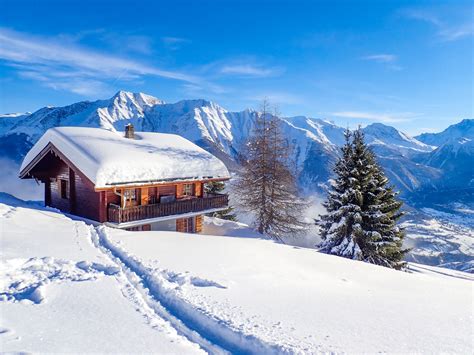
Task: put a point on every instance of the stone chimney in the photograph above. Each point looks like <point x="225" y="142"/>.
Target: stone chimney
<point x="129" y="131"/>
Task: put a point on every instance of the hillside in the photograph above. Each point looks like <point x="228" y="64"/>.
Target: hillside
<point x="227" y="291"/>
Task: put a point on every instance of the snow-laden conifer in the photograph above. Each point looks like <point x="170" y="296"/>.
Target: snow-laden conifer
<point x="382" y="238"/>
<point x="216" y="187"/>
<point x="341" y="225"/>
<point x="362" y="210"/>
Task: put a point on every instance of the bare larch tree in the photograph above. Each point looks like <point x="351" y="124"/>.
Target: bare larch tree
<point x="266" y="186"/>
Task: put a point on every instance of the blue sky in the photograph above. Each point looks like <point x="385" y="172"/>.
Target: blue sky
<point x="404" y="63"/>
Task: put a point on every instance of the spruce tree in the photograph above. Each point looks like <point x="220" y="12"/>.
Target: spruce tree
<point x="363" y="211"/>
<point x="340" y="227"/>
<point x="382" y="237"/>
<point x="266" y="186"/>
<point x="216" y="187"/>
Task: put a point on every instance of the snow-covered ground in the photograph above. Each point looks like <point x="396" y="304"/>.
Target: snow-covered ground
<point x="59" y="293"/>
<point x="67" y="286"/>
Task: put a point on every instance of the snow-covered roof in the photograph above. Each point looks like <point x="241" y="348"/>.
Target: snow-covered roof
<point x="107" y="158"/>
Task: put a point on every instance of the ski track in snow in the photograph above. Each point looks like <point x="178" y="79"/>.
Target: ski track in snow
<point x="24" y="280"/>
<point x="158" y="289"/>
<point x="151" y="291"/>
<point x="138" y="290"/>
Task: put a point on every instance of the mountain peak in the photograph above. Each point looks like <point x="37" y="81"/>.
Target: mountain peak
<point x="198" y="103"/>
<point x="138" y="98"/>
<point x="381" y="134"/>
<point x="463" y="129"/>
<point x="466" y="123"/>
<point x="381" y="127"/>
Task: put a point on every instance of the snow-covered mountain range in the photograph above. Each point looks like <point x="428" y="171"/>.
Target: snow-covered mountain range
<point x="418" y="166"/>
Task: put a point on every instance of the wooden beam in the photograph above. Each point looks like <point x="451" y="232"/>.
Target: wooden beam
<point x="144" y="196"/>
<point x="157" y="184"/>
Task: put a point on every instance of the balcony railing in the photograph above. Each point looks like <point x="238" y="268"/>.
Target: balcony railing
<point x="117" y="214"/>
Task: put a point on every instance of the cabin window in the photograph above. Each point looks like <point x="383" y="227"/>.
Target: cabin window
<point x="64" y="188"/>
<point x="188" y="189"/>
<point x="131" y="195"/>
<point x="130" y="198"/>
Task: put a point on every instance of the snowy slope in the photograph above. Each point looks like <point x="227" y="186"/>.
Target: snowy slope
<point x="179" y="293"/>
<point x="59" y="293"/>
<point x="456" y="158"/>
<point x="455" y="132"/>
<point x="299" y="297"/>
<point x="378" y="134"/>
<point x="7" y="121"/>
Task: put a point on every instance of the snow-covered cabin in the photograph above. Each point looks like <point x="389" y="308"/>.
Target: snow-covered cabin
<point x="138" y="181"/>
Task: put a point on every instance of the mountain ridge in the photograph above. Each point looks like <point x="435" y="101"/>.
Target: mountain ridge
<point x="462" y="129"/>
<point x="315" y="141"/>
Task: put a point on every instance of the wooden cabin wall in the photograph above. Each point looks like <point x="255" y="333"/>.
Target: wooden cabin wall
<point x="83" y="200"/>
<point x="56" y="201"/>
<point x="180" y="225"/>
<point x="152" y="195"/>
<point x="112" y="197"/>
<point x="166" y="190"/>
<point x="179" y="190"/>
<point x="199" y="221"/>
<point x="86" y="199"/>
<point x="198" y="189"/>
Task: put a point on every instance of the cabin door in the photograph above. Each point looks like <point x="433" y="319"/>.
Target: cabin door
<point x="189" y="225"/>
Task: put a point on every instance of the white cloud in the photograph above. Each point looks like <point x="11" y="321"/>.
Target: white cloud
<point x="422" y="15"/>
<point x="172" y="40"/>
<point x="54" y="63"/>
<point x="379" y="117"/>
<point x="248" y="70"/>
<point x="389" y="60"/>
<point x="455" y="33"/>
<point x="174" y="43"/>
<point x="381" y="58"/>
<point x="134" y="43"/>
<point x="445" y="31"/>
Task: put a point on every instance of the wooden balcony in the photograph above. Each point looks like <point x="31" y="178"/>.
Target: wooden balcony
<point x="116" y="214"/>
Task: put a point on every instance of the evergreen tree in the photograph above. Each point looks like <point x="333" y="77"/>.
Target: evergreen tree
<point x="382" y="238"/>
<point x="266" y="186"/>
<point x="363" y="211"/>
<point x="216" y="187"/>
<point x="340" y="227"/>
